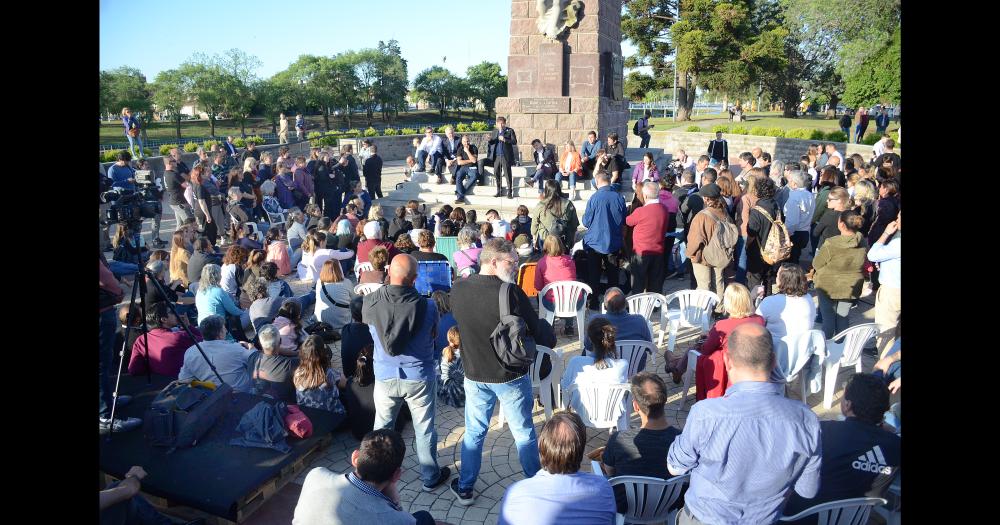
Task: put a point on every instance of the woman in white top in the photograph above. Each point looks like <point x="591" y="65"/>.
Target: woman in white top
<point x="333" y="296"/>
<point x="603" y="367"/>
<point x="792" y="310"/>
<point x="315" y="253"/>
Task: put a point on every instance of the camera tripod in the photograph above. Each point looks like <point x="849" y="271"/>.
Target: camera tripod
<point x="139" y="289"/>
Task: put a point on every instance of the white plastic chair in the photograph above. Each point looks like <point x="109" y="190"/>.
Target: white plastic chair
<point x="362" y="267"/>
<point x="465" y="272"/>
<point x="605" y="405"/>
<point x="545" y="386"/>
<point x="565" y="296"/>
<point x="793" y="354"/>
<point x="891" y="510"/>
<point x="632" y="350"/>
<point x="693" y="356"/>
<point x="694" y="309"/>
<point x="276" y="219"/>
<point x="854" y="511"/>
<point x="643" y="304"/>
<point x="649" y="499"/>
<point x="366" y="288"/>
<point x="844" y="351"/>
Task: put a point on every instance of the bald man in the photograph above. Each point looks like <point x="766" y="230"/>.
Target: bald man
<point x="628" y="326"/>
<point x="777" y="439"/>
<point x="403" y="325"/>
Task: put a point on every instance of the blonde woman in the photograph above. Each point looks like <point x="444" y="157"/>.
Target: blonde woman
<point x="711" y="379"/>
<point x="569" y="166"/>
<point x="863" y="202"/>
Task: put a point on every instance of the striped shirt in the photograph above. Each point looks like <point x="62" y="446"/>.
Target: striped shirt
<point x="370" y="490"/>
<point x="745" y="452"/>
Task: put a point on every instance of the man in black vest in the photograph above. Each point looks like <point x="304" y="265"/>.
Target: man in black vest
<point x="502" y="144"/>
<point x="718" y="149"/>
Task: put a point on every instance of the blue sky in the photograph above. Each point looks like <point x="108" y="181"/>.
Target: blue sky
<point x="162" y="35"/>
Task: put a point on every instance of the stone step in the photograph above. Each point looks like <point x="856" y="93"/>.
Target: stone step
<point x="412" y="188"/>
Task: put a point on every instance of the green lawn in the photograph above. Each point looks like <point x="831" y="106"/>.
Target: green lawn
<point x="766" y="119"/>
<point x="112" y="132"/>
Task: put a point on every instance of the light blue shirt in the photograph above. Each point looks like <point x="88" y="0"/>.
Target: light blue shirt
<point x="798" y="210"/>
<point x="745" y="451"/>
<point x="559" y="499"/>
<point x="215" y="301"/>
<point x="590" y="150"/>
<point x="888" y="258"/>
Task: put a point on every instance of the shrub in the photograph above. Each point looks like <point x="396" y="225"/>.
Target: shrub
<point x="110" y="155"/>
<point x="775" y="132"/>
<point x="462" y="127"/>
<point x="191" y="147"/>
<point x="240" y="142"/>
<point x="408" y="131"/>
<point x="720" y="127"/>
<point x="256" y="140"/>
<point x="758" y="131"/>
<point x="352" y="133"/>
<point x="693" y="129"/>
<point x="165" y="149"/>
<point x="740" y="130"/>
<point x="871" y="138"/>
<point x="390" y="132"/>
<point x="329" y="139"/>
<point x="479" y="126"/>
<point x="836" y="136"/>
<point x="799" y="133"/>
<point x="208" y="144"/>
<point x="313" y="135"/>
<point x="371" y="132"/>
<point x="817" y="134"/>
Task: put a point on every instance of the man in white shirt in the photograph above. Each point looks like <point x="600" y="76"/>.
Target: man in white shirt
<point x="700" y="167"/>
<point x="500" y="227"/>
<point x="228" y="357"/>
<point x="879" y="147"/>
<point x="756" y="152"/>
<point x="798" y="211"/>
<point x="430" y="146"/>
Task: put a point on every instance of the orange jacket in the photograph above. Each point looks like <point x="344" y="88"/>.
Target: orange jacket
<point x="574" y="162"/>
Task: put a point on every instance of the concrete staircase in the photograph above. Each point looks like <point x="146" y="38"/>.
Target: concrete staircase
<point x="481" y="197"/>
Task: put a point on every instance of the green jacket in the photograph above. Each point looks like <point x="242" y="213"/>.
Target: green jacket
<point x="840" y="265"/>
<point x="543" y="222"/>
<point x="821" y="208"/>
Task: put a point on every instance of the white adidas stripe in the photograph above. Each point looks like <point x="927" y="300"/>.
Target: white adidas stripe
<point x="878" y="454"/>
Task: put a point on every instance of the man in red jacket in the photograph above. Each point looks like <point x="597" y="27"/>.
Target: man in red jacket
<point x="649" y="225"/>
<point x="167" y="345"/>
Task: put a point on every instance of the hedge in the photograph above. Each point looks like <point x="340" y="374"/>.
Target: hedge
<point x="871" y="138"/>
<point x="462" y="127"/>
<point x="479" y="125"/>
<point x="758" y="131"/>
<point x="775" y="132"/>
<point x="165" y="149"/>
<point x="408" y="131"/>
<point x="388" y="132"/>
<point x="191" y="147"/>
<point x="110" y="155"/>
<point x="208" y="144"/>
<point x="740" y="130"/>
<point x="836" y="136"/>
<point x="693" y="129"/>
<point x="720" y="128"/>
<point x="371" y="132"/>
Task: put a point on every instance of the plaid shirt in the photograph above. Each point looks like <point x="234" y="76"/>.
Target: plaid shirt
<point x="368" y="489"/>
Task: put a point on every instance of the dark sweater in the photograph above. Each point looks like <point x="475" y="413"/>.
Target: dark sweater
<point x="476" y="307"/>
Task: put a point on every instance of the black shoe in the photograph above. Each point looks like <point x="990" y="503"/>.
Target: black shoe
<point x="510" y="193"/>
<point x="499" y="193"/>
<point x="440" y="180"/>
<point x="464" y="497"/>
<point x="120" y="425"/>
<point x="442" y="477"/>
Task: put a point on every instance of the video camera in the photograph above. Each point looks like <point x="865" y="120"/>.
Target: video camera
<point x="133" y="206"/>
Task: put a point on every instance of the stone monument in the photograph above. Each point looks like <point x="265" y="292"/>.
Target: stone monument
<point x="564" y="73"/>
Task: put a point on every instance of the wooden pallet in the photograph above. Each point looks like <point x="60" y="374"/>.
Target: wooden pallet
<point x="249" y="503"/>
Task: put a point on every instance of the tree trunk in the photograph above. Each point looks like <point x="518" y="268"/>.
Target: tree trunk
<point x="326" y="119"/>
<point x="177" y="122"/>
<point x="831" y="111"/>
<point x="680" y="105"/>
<point x="243" y="127"/>
<point x="692" y="92"/>
<point x="211" y="124"/>
<point x="725" y="105"/>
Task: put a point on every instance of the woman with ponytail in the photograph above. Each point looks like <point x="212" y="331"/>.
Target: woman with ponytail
<point x="451" y="383"/>
<point x="603" y="366"/>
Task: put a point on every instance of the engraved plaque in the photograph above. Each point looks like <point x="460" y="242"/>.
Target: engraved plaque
<point x="550" y="69"/>
<point x="617" y="79"/>
<point x="545" y="105"/>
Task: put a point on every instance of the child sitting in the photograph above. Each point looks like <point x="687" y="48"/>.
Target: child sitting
<point x="277" y="250"/>
<point x="451" y="389"/>
<point x="521" y="223"/>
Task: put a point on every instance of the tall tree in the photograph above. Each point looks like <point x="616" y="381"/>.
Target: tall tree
<point x="124" y="87"/>
<point x="208" y="85"/>
<point x="393" y="81"/>
<point x="271" y="99"/>
<point x="239" y="83"/>
<point x="637" y="85"/>
<point x="170" y="93"/>
<point x="433" y="85"/>
<point x="487" y="83"/>
<point x="877" y="80"/>
<point x="646" y="23"/>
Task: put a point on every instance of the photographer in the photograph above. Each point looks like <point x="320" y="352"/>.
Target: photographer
<point x="121" y="172"/>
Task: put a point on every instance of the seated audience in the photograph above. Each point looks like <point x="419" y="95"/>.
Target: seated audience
<point x="555" y="265"/>
<point x="180" y="255"/>
<point x="791" y="311"/>
<point x="333" y="296"/>
<point x="272" y="372"/>
<point x="228" y="357"/>
<point x="467" y="257"/>
<point x="373" y="238"/>
<point x="212" y="300"/>
<point x="501" y="228"/>
<point x="355" y="335"/>
<point x="711" y="379"/>
<point x="419" y="221"/>
<point x="778" y="440"/>
<point x="560" y="494"/>
<point x="379" y="257"/>
<point x="368" y="494"/>
<point x="399" y="224"/>
<point x="603" y="367"/>
<point x="263" y="306"/>
<point x="628" y="326"/>
<point x="121" y="502"/>
<point x="167" y="343"/>
<point x="406" y="245"/>
<point x="203" y="254"/>
<point x="427" y="253"/>
<point x="317" y="383"/>
<point x="277" y="250"/>
<point x="232" y="270"/>
<point x="289" y="325"/>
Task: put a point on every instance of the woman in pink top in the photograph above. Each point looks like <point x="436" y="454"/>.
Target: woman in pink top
<point x="554" y="266"/>
<point x="468" y="253"/>
<point x="645" y="170"/>
<point x="277" y="251"/>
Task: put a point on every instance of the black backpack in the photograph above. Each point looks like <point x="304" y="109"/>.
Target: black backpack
<point x="183" y="412"/>
<point x="515" y="348"/>
<point x="635" y="128"/>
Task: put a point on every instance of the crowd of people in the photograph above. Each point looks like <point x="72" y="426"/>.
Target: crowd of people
<point x="249" y="223"/>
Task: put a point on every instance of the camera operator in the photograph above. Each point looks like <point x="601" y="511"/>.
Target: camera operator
<point x="153" y="192"/>
<point x="121" y="172"/>
<point x="103" y="185"/>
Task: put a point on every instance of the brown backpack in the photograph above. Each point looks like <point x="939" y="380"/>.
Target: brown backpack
<point x="778" y="246"/>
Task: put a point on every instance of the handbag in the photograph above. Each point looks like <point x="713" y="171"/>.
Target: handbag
<point x="298" y="422"/>
<point x="324" y="330"/>
<point x="133" y="132"/>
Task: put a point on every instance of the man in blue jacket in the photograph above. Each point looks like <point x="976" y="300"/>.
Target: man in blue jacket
<point x="604" y="219"/>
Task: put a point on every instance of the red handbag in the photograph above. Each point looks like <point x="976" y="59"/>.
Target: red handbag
<point x="297" y="422"/>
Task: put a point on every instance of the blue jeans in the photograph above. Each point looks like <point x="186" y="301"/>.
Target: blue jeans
<point x="847" y="131"/>
<point x="858" y="131"/>
<point x="572" y="179"/>
<point x="131" y="145"/>
<point x="419" y="397"/>
<point x="480" y="399"/>
<point x="741" y="260"/>
<point x="465" y="179"/>
<point x="106" y="358"/>
<point x="436" y="163"/>
<point x="616" y="187"/>
<point x="135" y="510"/>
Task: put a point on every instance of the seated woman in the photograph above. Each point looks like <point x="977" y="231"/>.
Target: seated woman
<point x="355" y="335"/>
<point x="555" y="265"/>
<point x="289" y="325"/>
<point x="180" y="254"/>
<point x="211" y="299"/>
<point x="333" y="296"/>
<point x="359" y="396"/>
<point x="263" y="306"/>
<point x="603" y="367"/>
<point x="405" y="244"/>
<point x="317" y="383"/>
<point x="450" y="383"/>
<point x="128" y="248"/>
<point x="379" y="257"/>
<point x="711" y="379"/>
<point x="233" y="271"/>
<point x="248" y="239"/>
<point x="277" y="250"/>
<point x="254" y="268"/>
<point x="467" y="255"/>
<point x="791" y="311"/>
<point x="399" y="224"/>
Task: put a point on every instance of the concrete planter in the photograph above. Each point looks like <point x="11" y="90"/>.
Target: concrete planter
<point x="783" y="149"/>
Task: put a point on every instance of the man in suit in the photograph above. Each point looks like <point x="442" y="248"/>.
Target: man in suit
<point x="502" y="144"/>
<point x="449" y="148"/>
<point x="373" y="173"/>
<point x="545" y="165"/>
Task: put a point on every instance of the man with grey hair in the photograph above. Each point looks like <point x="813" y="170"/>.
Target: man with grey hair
<point x="778" y="440"/>
<point x="230" y="358"/>
<point x="487" y="380"/>
<point x="270" y="372"/>
<point x="798" y="212"/>
<point x="649" y="226"/>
